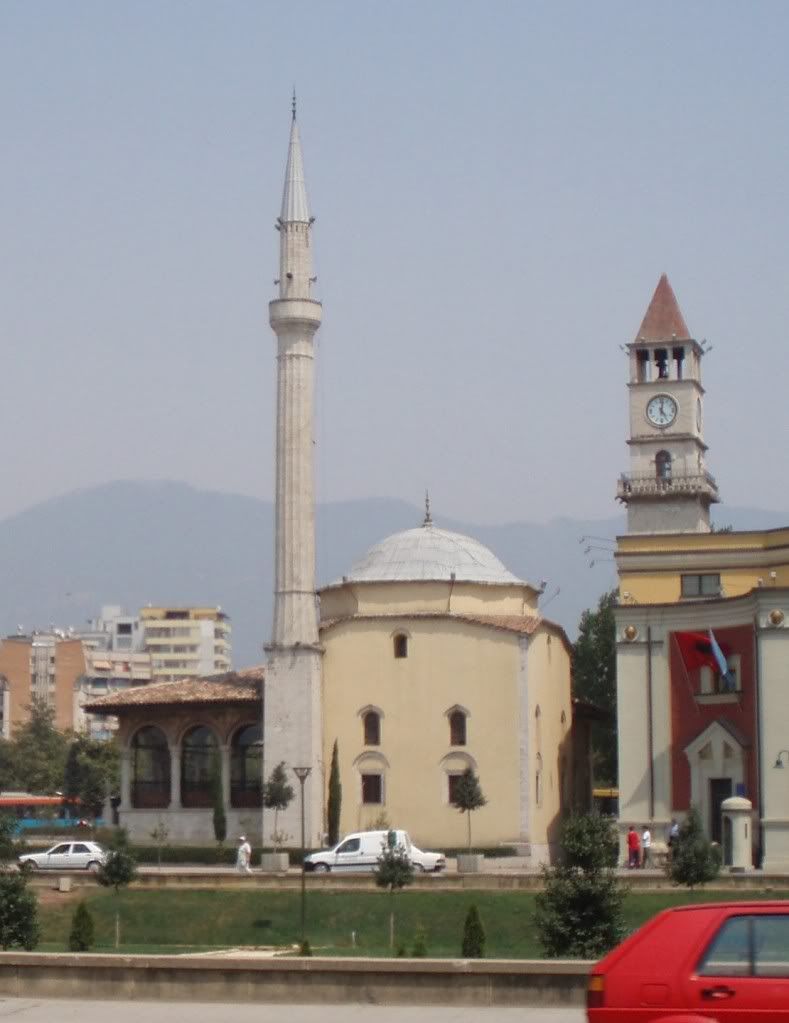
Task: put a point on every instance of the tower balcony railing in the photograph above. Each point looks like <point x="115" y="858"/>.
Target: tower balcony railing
<point x="649" y="484"/>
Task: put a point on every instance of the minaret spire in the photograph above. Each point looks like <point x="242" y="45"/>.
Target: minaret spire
<point x="295" y="208"/>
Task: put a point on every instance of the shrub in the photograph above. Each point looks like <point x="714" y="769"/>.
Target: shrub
<point x="305" y="949"/>
<point x="419" y="948"/>
<point x="82" y="934"/>
<point x="473" y="935"/>
<point x="694" y="859"/>
<point x="18" y="913"/>
<point x="590" y="841"/>
<point x="579" y="912"/>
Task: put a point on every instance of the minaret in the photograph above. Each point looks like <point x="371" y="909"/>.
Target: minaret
<point x="292" y="708"/>
<point x="668" y="489"/>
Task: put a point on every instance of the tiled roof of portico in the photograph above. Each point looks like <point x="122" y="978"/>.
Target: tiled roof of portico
<point x="233" y="687"/>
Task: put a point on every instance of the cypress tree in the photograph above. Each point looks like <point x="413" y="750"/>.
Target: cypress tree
<point x="473" y="935"/>
<point x="335" y="797"/>
<point x="82" y="933"/>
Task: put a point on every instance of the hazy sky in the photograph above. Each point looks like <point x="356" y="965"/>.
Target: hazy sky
<point x="497" y="186"/>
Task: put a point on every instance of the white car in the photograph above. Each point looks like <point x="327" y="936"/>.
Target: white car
<point x="360" y="852"/>
<point x="65" y="856"/>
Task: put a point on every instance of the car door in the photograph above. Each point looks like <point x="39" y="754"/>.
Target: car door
<point x="80" y="854"/>
<point x="58" y="857"/>
<point x="346" y="856"/>
<point x="744" y="973"/>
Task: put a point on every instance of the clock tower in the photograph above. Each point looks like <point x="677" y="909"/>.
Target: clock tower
<point x="668" y="489"/>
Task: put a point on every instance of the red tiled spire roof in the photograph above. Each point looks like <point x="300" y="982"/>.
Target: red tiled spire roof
<point x="663" y="320"/>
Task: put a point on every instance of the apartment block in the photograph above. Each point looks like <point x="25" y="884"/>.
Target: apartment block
<point x="186" y="642"/>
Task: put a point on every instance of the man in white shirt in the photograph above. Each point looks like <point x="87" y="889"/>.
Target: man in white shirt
<point x="646" y="846"/>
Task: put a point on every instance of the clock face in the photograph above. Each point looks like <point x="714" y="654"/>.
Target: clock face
<point x="661" y="410"/>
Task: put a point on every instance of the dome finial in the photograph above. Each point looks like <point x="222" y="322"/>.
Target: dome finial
<point x="428" y="520"/>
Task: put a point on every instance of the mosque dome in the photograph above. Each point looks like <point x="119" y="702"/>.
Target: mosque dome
<point x="428" y="553"/>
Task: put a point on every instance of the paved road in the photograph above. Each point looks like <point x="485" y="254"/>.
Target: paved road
<point x="26" y="1010"/>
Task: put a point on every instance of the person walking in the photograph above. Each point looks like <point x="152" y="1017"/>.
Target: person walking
<point x="646" y="846"/>
<point x="243" y="856"/>
<point x="633" y="848"/>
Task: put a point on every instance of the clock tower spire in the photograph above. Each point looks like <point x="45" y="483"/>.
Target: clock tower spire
<point x="668" y="489"/>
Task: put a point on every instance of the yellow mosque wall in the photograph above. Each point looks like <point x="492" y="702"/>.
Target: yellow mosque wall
<point x="450" y="663"/>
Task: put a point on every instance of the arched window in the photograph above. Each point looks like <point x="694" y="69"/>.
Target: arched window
<point x="199" y="762"/>
<point x="372" y="728"/>
<point x="150" y="774"/>
<point x="401" y="645"/>
<point x="245" y="767"/>
<point x="663" y="465"/>
<point x="457" y="728"/>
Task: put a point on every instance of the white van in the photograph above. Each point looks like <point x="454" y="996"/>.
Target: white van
<point x="360" y="852"/>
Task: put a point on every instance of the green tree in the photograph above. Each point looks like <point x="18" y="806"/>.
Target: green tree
<point x="335" y="797"/>
<point x="393" y="871"/>
<point x="579" y="913"/>
<point x="590" y="842"/>
<point x="117" y="872"/>
<point x="468" y="796"/>
<point x="594" y="679"/>
<point x="694" y="860"/>
<point x="7" y="773"/>
<point x="474" y="937"/>
<point x="7" y="834"/>
<point x="278" y="795"/>
<point x="40" y="751"/>
<point x="18" y="913"/>
<point x="82" y="935"/>
<point x="218" y="799"/>
<point x="91" y="773"/>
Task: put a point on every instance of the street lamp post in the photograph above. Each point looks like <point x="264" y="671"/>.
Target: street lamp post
<point x="302" y="773"/>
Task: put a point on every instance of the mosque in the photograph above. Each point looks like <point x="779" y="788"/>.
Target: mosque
<point x="429" y="656"/>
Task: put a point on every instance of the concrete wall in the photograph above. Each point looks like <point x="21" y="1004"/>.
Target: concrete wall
<point x="306" y="981"/>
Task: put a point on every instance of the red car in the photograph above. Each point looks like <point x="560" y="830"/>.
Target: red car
<point x="724" y="961"/>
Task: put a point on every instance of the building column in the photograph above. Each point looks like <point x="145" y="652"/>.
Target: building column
<point x="175" y="778"/>
<point x="125" y="779"/>
<point x="224" y="757"/>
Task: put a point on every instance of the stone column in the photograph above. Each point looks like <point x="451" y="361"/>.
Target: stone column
<point x="175" y="778"/>
<point x="126" y="755"/>
<point x="224" y="755"/>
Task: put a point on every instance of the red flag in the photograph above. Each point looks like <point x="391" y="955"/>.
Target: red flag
<point x="696" y="650"/>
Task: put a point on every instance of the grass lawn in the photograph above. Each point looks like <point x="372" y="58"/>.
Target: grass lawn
<point x="180" y="921"/>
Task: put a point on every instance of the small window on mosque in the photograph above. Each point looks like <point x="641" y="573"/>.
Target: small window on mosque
<point x="457" y="728"/>
<point x="401" y="645"/>
<point x="453" y="784"/>
<point x="372" y="728"/>
<point x="372" y="789"/>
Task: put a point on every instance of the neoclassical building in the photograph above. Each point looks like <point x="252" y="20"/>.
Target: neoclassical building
<point x="690" y="734"/>
<point x="428" y="657"/>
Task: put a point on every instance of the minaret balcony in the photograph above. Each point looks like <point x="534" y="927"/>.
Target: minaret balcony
<point x="648" y="484"/>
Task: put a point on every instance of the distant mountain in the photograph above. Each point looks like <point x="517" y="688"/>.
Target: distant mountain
<point x="134" y="543"/>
